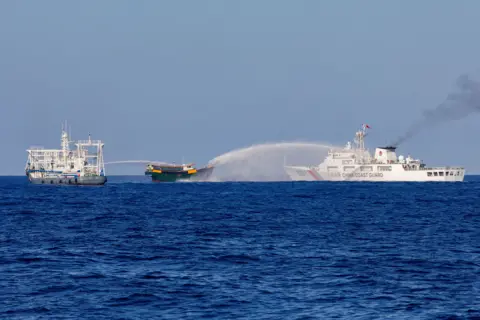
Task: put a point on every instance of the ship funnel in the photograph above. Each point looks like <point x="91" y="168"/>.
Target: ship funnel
<point x="386" y="155"/>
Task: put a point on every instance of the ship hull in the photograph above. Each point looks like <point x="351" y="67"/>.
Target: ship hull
<point x="86" y="181"/>
<point x="397" y="174"/>
<point x="202" y="174"/>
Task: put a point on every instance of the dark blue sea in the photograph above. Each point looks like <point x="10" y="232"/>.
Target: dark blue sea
<point x="133" y="249"/>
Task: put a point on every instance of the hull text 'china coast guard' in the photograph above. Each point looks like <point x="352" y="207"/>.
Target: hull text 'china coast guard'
<point x="356" y="164"/>
<point x="83" y="166"/>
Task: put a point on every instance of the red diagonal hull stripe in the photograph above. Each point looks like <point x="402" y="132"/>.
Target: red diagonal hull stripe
<point x="313" y="174"/>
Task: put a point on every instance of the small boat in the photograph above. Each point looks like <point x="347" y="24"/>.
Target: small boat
<point x="167" y="172"/>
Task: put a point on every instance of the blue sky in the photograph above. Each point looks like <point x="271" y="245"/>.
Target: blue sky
<point x="162" y="80"/>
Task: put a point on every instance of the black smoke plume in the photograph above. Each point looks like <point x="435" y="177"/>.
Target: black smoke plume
<point x="456" y="106"/>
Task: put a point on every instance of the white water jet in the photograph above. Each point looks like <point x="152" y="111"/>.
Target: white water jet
<point x="136" y="161"/>
<point x="264" y="162"/>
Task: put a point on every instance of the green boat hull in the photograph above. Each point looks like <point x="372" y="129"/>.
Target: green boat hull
<point x="169" y="176"/>
<point x="173" y="176"/>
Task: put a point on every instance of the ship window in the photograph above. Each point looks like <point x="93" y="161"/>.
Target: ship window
<point x="429" y="174"/>
<point x="384" y="168"/>
<point x="366" y="169"/>
<point x="451" y="173"/>
<point x="446" y="173"/>
<point x="440" y="173"/>
<point x="435" y="173"/>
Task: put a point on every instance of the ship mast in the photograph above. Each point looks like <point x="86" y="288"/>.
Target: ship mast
<point x="65" y="144"/>
<point x="360" y="138"/>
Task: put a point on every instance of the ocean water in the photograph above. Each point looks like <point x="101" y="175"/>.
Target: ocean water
<point x="133" y="249"/>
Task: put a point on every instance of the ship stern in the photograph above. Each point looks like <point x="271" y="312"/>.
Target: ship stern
<point x="203" y="174"/>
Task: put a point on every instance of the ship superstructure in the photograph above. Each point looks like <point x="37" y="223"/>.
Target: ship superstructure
<point x="83" y="165"/>
<point x="355" y="163"/>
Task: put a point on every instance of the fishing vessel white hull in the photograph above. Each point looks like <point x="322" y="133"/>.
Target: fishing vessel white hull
<point x="357" y="164"/>
<point x="61" y="178"/>
<point x="83" y="166"/>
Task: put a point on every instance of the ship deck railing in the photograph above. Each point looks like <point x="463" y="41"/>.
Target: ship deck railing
<point x="439" y="168"/>
<point x="170" y="165"/>
<point x="42" y="150"/>
<point x="89" y="142"/>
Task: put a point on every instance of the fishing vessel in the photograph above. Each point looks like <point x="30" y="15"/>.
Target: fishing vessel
<point x="83" y="165"/>
<point x="167" y="172"/>
<point x="355" y="163"/>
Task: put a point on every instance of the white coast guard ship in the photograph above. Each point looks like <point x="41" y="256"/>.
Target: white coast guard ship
<point x="83" y="166"/>
<point x="356" y="164"/>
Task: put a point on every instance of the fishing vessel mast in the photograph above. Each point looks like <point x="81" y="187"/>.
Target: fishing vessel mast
<point x="65" y="143"/>
<point x="91" y="151"/>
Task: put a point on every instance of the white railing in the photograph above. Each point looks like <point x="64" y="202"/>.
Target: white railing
<point x="442" y="168"/>
<point x="416" y="168"/>
<point x="88" y="142"/>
